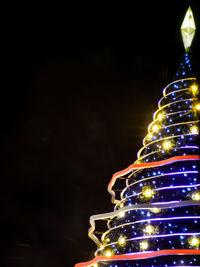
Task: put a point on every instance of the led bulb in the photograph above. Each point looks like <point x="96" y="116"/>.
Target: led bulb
<point x="95" y="265"/>
<point x="155" y="210"/>
<point x="197" y="106"/>
<point x="108" y="253"/>
<point x="149" y="229"/>
<point x="160" y="116"/>
<point x="167" y="145"/>
<point x="194" y="241"/>
<point x="196" y="196"/>
<point x="194" y="130"/>
<point x="194" y="89"/>
<point x="147" y="192"/>
<point x="149" y="136"/>
<point x="155" y="127"/>
<point x="121" y="214"/>
<point x="144" y="245"/>
<point x="121" y="241"/>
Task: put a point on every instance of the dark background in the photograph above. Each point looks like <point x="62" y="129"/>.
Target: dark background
<point x="81" y="83"/>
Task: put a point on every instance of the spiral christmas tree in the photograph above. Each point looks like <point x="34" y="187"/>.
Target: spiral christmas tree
<point x="156" y="218"/>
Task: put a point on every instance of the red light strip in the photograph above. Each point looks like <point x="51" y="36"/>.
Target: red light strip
<point x="146" y="165"/>
<point x="140" y="256"/>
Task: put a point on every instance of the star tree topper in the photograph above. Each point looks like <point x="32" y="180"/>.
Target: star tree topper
<point x="188" y="29"/>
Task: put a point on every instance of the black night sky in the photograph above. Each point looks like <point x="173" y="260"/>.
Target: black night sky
<point x="81" y="85"/>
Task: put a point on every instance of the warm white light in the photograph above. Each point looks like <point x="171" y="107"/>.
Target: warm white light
<point x="150" y="136"/>
<point x="121" y="214"/>
<point x="194" y="241"/>
<point x="95" y="265"/>
<point x="149" y="229"/>
<point x="121" y="241"/>
<point x="144" y="245"/>
<point x="155" y="210"/>
<point x="155" y="127"/>
<point x="147" y="192"/>
<point x="194" y="89"/>
<point x="108" y="253"/>
<point x="167" y="145"/>
<point x="197" y="106"/>
<point x="160" y="116"/>
<point x="196" y="196"/>
<point x="194" y="130"/>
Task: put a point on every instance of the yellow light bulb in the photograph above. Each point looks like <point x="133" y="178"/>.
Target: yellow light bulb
<point x="194" y="89"/>
<point x="194" y="241"/>
<point x="197" y="106"/>
<point x="149" y="229"/>
<point x="196" y="196"/>
<point x="144" y="245"/>
<point x="107" y="240"/>
<point x="160" y="116"/>
<point x="149" y="136"/>
<point x="155" y="127"/>
<point x="122" y="241"/>
<point x="95" y="265"/>
<point x="155" y="210"/>
<point x="121" y="205"/>
<point x="194" y="130"/>
<point x="147" y="192"/>
<point x="121" y="214"/>
<point x="167" y="145"/>
<point x="108" y="253"/>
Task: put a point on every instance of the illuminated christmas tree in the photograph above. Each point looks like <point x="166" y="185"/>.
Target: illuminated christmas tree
<point x="156" y="218"/>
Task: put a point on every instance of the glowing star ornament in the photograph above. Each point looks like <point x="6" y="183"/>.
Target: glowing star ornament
<point x="188" y="29"/>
